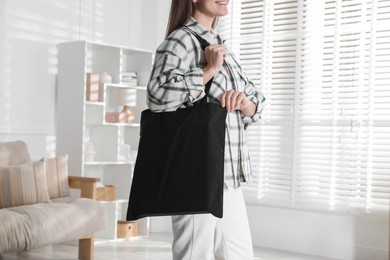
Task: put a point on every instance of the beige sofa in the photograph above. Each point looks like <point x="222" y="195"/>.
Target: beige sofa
<point x="49" y="220"/>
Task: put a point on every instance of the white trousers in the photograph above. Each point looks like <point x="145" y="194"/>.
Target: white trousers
<point x="205" y="237"/>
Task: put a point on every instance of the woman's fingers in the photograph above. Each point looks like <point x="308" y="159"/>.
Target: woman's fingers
<point x="215" y="54"/>
<point x="232" y="100"/>
<point x="241" y="97"/>
<point x="228" y="99"/>
<point x="223" y="98"/>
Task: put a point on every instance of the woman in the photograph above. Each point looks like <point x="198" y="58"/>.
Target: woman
<point x="178" y="79"/>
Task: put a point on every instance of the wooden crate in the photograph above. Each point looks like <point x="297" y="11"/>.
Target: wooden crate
<point x="106" y="193"/>
<point x="126" y="229"/>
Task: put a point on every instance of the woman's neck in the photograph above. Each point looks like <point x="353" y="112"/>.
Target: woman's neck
<point x="204" y="20"/>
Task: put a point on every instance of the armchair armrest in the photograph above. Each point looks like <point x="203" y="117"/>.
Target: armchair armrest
<point x="85" y="184"/>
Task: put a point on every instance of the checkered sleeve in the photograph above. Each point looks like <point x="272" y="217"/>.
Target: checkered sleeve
<point x="256" y="96"/>
<point x="173" y="82"/>
<point x="252" y="92"/>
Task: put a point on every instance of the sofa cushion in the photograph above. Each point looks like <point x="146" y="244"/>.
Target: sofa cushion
<point x="23" y="184"/>
<point x="51" y="223"/>
<point x="14" y="153"/>
<point x="13" y="230"/>
<point x="57" y="176"/>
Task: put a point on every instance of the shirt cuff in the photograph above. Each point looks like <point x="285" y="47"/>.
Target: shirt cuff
<point x="194" y="83"/>
<point x="248" y="120"/>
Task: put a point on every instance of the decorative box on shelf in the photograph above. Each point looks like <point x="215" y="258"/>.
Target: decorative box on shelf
<point x="115" y="117"/>
<point x="106" y="193"/>
<point x="92" y="87"/>
<point x="126" y="229"/>
<point x="129" y="78"/>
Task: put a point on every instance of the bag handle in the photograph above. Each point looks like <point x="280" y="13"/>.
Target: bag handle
<point x="203" y="44"/>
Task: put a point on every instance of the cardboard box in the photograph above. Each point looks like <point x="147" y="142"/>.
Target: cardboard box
<point x="107" y="193"/>
<point x="92" y="87"/>
<point x="126" y="229"/>
<point x="115" y="117"/>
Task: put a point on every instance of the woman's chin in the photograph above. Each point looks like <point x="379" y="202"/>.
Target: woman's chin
<point x="223" y="12"/>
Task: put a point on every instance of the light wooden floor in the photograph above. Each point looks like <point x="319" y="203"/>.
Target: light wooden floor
<point x="155" y="247"/>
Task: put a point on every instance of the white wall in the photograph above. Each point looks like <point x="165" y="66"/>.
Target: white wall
<point x="29" y="32"/>
<point x="339" y="236"/>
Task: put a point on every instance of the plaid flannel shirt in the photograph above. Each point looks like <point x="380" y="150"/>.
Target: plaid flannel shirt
<point x="177" y="81"/>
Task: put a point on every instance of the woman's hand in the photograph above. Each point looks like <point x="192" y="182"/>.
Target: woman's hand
<point x="214" y="55"/>
<point x="237" y="100"/>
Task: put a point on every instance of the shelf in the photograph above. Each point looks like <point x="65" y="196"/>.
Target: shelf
<point x="94" y="103"/>
<point x="109" y="163"/>
<point x="135" y="125"/>
<point x="119" y="85"/>
<point x="114" y="201"/>
<point x="81" y="127"/>
<point x="123" y="124"/>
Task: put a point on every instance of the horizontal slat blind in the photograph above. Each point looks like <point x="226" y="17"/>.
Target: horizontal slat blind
<point x="323" y="141"/>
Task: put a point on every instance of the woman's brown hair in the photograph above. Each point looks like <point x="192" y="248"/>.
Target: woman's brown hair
<point x="181" y="11"/>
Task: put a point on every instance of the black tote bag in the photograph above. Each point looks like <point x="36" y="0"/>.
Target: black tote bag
<point x="180" y="163"/>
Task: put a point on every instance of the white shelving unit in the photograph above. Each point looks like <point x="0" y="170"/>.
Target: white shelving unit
<point x="81" y="122"/>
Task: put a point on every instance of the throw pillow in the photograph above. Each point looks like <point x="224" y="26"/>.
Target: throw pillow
<point x="57" y="176"/>
<point x="23" y="184"/>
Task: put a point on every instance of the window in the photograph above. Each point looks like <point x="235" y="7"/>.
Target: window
<point x="324" y="139"/>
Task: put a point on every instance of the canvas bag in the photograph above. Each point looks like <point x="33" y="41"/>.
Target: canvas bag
<point x="179" y="168"/>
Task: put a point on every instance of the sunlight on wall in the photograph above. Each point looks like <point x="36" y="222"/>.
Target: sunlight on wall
<point x="30" y="32"/>
<point x="1" y="46"/>
<point x="4" y="95"/>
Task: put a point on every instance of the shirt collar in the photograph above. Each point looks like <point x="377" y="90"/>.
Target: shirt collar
<point x="212" y="37"/>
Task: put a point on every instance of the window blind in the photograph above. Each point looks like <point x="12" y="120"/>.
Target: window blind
<point x="324" y="139"/>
